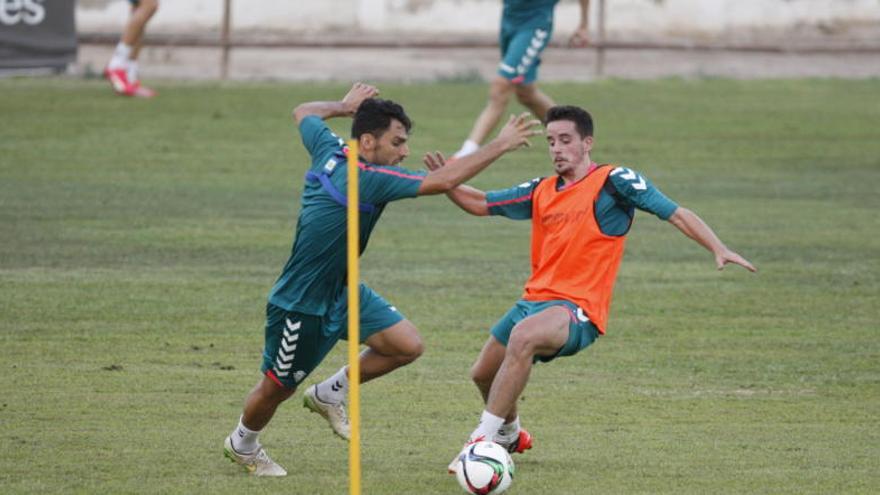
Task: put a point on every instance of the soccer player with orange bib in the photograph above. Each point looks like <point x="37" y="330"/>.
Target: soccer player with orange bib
<point x="580" y="218"/>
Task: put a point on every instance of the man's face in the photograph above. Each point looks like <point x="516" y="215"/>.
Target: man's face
<point x="390" y="148"/>
<point x="568" y="149"/>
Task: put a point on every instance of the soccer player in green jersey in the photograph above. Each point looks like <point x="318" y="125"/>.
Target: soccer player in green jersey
<point x="307" y="309"/>
<point x="526" y="29"/>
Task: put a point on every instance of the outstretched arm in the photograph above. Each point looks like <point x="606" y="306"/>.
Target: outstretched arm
<point x="694" y="227"/>
<point x="581" y="38"/>
<point x="346" y="107"/>
<point x="514" y="135"/>
<point x="469" y="199"/>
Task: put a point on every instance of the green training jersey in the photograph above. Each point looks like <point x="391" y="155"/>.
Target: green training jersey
<point x="315" y="274"/>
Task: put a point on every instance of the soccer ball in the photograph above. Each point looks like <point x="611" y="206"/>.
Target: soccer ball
<point x="484" y="468"/>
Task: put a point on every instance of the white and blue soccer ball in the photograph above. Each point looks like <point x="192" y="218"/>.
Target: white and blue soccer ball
<point x="484" y="468"/>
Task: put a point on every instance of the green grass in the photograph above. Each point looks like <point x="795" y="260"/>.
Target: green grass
<point x="138" y="240"/>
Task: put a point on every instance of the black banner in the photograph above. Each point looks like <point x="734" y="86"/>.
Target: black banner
<point x="37" y="33"/>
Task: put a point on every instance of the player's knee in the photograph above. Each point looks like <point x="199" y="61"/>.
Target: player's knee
<point x="525" y="93"/>
<point x="521" y="345"/>
<point x="413" y="350"/>
<point x="410" y="348"/>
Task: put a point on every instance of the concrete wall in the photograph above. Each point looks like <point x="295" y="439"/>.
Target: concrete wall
<point x="641" y="18"/>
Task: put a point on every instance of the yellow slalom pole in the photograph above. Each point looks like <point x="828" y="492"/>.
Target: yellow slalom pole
<point x="354" y="368"/>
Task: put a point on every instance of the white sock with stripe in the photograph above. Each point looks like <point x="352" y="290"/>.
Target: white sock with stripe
<point x="244" y="440"/>
<point x="488" y="427"/>
<point x="508" y="432"/>
<point x="334" y="389"/>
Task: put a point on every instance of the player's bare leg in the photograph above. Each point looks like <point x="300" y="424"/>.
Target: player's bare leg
<point x="390" y="349"/>
<point x="542" y="334"/>
<point x="396" y="346"/>
<point x="146" y="10"/>
<point x="511" y="435"/>
<point x="118" y="69"/>
<point x="137" y="22"/>
<point x="486" y="367"/>
<point x="500" y="91"/>
<point x="262" y="401"/>
<point x="241" y="446"/>
<point x="530" y="96"/>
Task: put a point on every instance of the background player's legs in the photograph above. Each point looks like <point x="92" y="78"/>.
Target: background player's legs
<point x="122" y="68"/>
<point x="500" y="90"/>
<point x="132" y="68"/>
<point x="541" y="334"/>
<point x="133" y="33"/>
<point x="534" y="99"/>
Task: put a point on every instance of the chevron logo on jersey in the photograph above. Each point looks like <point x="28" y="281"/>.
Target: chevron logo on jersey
<point x="636" y="180"/>
<point x="284" y="360"/>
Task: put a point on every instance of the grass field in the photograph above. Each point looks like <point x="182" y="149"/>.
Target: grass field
<point x="138" y="240"/>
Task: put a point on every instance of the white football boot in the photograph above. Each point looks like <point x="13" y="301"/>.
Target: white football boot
<point x="257" y="463"/>
<point x="334" y="413"/>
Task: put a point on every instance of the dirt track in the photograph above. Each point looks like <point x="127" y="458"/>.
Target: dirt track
<point x="432" y="64"/>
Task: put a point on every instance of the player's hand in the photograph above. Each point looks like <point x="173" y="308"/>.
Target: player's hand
<point x="727" y="256"/>
<point x="357" y="94"/>
<point x="580" y="38"/>
<point x="434" y="161"/>
<point x="519" y="128"/>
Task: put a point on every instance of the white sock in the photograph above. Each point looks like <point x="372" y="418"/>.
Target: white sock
<point x="508" y="432"/>
<point x="244" y="440"/>
<point x="489" y="425"/>
<point x="120" y="56"/>
<point x="467" y="148"/>
<point x="334" y="389"/>
<point x="131" y="70"/>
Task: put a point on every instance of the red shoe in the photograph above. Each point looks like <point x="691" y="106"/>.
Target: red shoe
<point x="141" y="91"/>
<point x="119" y="80"/>
<point x="522" y="443"/>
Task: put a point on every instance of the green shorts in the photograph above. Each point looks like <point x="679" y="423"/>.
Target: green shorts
<point x="296" y="343"/>
<point x="581" y="331"/>
<point x="521" y="48"/>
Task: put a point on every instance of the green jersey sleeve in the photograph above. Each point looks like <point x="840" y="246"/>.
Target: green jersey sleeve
<point x="634" y="190"/>
<point x="514" y="202"/>
<point x="382" y="184"/>
<point x="318" y="139"/>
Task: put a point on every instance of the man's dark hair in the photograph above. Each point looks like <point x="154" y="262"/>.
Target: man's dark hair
<point x="374" y="117"/>
<point x="583" y="122"/>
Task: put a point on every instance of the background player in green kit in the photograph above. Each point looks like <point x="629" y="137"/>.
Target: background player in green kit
<point x="307" y="309"/>
<point x="526" y="29"/>
<point x="122" y="70"/>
